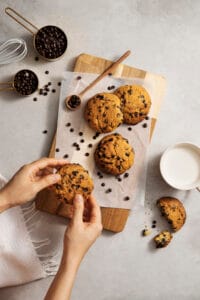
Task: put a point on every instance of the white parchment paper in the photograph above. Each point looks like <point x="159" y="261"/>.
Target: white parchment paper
<point x="72" y="123"/>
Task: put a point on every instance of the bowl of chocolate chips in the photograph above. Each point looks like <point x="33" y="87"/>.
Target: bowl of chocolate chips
<point x="25" y="82"/>
<point x="50" y="41"/>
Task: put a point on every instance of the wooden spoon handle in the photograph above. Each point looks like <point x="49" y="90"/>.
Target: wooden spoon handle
<point x="106" y="72"/>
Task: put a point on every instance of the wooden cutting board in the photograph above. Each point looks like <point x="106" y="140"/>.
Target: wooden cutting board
<point x="113" y="219"/>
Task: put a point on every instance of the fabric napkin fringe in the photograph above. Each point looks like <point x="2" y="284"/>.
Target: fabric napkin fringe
<point x="47" y="259"/>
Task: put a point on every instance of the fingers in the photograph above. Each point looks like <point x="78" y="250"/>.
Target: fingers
<point x="48" y="162"/>
<point x="95" y="213"/>
<point x="47" y="181"/>
<point x="78" y="208"/>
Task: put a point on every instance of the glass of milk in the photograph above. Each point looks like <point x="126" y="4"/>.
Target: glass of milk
<point x="180" y="166"/>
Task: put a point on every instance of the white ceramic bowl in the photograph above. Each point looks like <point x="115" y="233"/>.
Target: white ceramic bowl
<point x="180" y="166"/>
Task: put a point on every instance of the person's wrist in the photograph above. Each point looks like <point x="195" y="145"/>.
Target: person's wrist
<point x="71" y="259"/>
<point x="4" y="200"/>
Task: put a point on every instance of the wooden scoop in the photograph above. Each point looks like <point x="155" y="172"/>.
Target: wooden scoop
<point x="74" y="101"/>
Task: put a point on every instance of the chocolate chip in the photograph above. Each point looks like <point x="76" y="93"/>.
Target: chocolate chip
<point x="129" y="128"/>
<point x="59" y="83"/>
<point x="45" y="94"/>
<point x="126" y="198"/>
<point x="36" y="58"/>
<point x="108" y="191"/>
<point x="57" y="149"/>
<point x="153" y="226"/>
<point x="109" y="74"/>
<point x="68" y="124"/>
<point x="146" y="118"/>
<point x="53" y="90"/>
<point x="98" y="173"/>
<point x="126" y="175"/>
<point x="82" y="141"/>
<point x="41" y="91"/>
<point x="80" y="133"/>
<point x="45" y="131"/>
<point x="144" y="125"/>
<point x="46" y="72"/>
<point x="90" y="145"/>
<point x="109" y="88"/>
<point x="154" y="222"/>
<point x="119" y="179"/>
<point x="103" y="184"/>
<point x="66" y="156"/>
<point x="49" y="83"/>
<point x="78" y="77"/>
<point x="87" y="154"/>
<point x="74" y="144"/>
<point x="35" y="99"/>
<point x="72" y="130"/>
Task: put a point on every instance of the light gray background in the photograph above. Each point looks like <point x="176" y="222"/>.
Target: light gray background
<point x="164" y="38"/>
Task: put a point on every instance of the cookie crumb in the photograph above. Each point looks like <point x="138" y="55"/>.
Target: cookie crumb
<point x="146" y="232"/>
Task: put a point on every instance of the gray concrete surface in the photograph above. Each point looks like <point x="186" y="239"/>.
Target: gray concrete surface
<point x="164" y="38"/>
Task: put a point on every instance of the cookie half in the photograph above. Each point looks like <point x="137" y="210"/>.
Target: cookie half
<point x="114" y="155"/>
<point x="135" y="103"/>
<point x="74" y="180"/>
<point x="103" y="112"/>
<point x="173" y="210"/>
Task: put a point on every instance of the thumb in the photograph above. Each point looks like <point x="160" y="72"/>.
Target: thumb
<point x="78" y="208"/>
<point x="47" y="181"/>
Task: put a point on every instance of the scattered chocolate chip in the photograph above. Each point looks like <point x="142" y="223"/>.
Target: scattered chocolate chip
<point x="153" y="226"/>
<point x="126" y="198"/>
<point x="103" y="184"/>
<point x="109" y="74"/>
<point x="98" y="173"/>
<point x="45" y="131"/>
<point x="53" y="90"/>
<point x="129" y="128"/>
<point x="57" y="149"/>
<point x="68" y="124"/>
<point x="126" y="175"/>
<point x="87" y="154"/>
<point x="119" y="179"/>
<point x="101" y="176"/>
<point x="90" y="145"/>
<point x="82" y="141"/>
<point x="59" y="83"/>
<point x="112" y="87"/>
<point x="72" y="130"/>
<point x="74" y="101"/>
<point x="146" y="118"/>
<point x="80" y="133"/>
<point x="49" y="83"/>
<point x="35" y="99"/>
<point x="109" y="88"/>
<point x="108" y="191"/>
<point x="66" y="156"/>
<point x="41" y="91"/>
<point x="144" y="125"/>
<point x="45" y="94"/>
<point x="46" y="72"/>
<point x="78" y="77"/>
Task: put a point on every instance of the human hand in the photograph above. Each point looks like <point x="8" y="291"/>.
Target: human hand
<point x="80" y="235"/>
<point x="29" y="180"/>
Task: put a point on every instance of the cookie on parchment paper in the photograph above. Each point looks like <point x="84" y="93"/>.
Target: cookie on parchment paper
<point x="114" y="155"/>
<point x="103" y="112"/>
<point x="135" y="103"/>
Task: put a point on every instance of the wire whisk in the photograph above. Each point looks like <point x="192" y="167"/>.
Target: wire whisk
<point x="12" y="50"/>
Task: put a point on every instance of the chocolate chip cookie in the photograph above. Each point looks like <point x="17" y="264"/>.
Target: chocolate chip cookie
<point x="163" y="239"/>
<point x="135" y="103"/>
<point x="74" y="180"/>
<point x="114" y="155"/>
<point x="173" y="210"/>
<point x="103" y="112"/>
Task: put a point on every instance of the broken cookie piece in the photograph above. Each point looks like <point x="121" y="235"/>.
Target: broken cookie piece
<point x="162" y="239"/>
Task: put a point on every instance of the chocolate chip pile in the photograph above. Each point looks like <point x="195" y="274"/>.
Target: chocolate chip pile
<point x="25" y="82"/>
<point x="74" y="101"/>
<point x="50" y="42"/>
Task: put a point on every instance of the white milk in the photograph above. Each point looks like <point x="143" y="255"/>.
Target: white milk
<point x="181" y="166"/>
